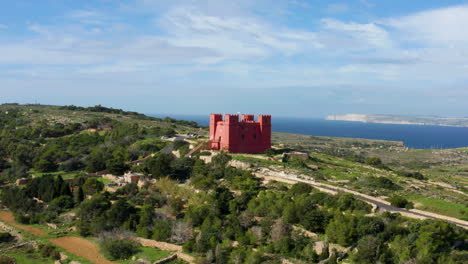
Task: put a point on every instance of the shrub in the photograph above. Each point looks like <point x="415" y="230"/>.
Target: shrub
<point x="401" y="202"/>
<point x="23" y="219"/>
<point x="5" y="237"/>
<point x="49" y="251"/>
<point x="115" y="248"/>
<point x="379" y="182"/>
<point x="7" y="260"/>
<point x="373" y="161"/>
<point x="414" y="175"/>
<point x="300" y="188"/>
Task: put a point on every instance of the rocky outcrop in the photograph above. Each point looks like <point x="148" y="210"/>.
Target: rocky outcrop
<point x="240" y="164"/>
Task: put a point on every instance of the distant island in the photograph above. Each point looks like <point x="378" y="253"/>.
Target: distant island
<point x="402" y="119"/>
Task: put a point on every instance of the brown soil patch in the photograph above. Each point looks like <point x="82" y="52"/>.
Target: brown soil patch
<point x="10" y="219"/>
<point x="82" y="248"/>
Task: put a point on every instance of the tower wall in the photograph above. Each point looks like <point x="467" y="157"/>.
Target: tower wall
<point x="214" y="139"/>
<point x="240" y="136"/>
<point x="265" y="128"/>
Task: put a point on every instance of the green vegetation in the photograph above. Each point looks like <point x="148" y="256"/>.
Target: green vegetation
<point x="151" y="255"/>
<point x="385" y="168"/>
<point x="217" y="213"/>
<point x="401" y="202"/>
<point x="118" y="249"/>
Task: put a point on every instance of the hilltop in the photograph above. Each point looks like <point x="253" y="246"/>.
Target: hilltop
<point x="35" y="113"/>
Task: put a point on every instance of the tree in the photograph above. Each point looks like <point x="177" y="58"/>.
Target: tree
<point x="119" y="249"/>
<point x="61" y="203"/>
<point x="401" y="202"/>
<point x="160" y="165"/>
<point x="182" y="232"/>
<point x="221" y="160"/>
<point x="279" y="230"/>
<point x="145" y="225"/>
<point x="119" y="212"/>
<point x="253" y="258"/>
<point x="92" y="186"/>
<point x="342" y="230"/>
<point x="199" y="168"/>
<point x="369" y="249"/>
<point x="182" y="168"/>
<point x="14" y="172"/>
<point x="91" y="214"/>
<point x="221" y="197"/>
<point x="78" y="195"/>
<point x="300" y="188"/>
<point x="290" y="214"/>
<point x="315" y="220"/>
<point x="435" y="238"/>
<point x="45" y="165"/>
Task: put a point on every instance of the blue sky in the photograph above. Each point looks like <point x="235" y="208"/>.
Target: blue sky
<point x="282" y="57"/>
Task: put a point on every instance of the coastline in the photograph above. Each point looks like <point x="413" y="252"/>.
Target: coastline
<point x="384" y="119"/>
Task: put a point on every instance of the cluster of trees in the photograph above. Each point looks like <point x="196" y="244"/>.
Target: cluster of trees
<point x="50" y="146"/>
<point x="103" y="109"/>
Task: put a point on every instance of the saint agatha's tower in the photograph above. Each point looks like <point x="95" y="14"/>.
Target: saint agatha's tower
<point x="240" y="136"/>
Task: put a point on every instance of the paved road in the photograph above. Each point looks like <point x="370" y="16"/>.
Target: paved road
<point x="170" y="147"/>
<point x="381" y="204"/>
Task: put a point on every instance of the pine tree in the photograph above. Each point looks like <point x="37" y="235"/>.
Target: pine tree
<point x="78" y="195"/>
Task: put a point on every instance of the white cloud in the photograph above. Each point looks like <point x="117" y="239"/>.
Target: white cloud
<point x="361" y="36"/>
<point x="233" y="37"/>
<point x="445" y="26"/>
<point x="237" y="47"/>
<point x="2" y="26"/>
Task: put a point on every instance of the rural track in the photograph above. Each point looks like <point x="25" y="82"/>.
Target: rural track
<point x="380" y="203"/>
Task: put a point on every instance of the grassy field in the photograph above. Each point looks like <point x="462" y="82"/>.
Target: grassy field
<point x="439" y="206"/>
<point x="65" y="175"/>
<point x="27" y="256"/>
<point x="149" y="254"/>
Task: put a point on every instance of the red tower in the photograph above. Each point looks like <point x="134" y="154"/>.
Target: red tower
<point x="240" y="136"/>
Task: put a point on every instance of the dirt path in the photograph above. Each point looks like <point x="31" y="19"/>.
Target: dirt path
<point x="10" y="219"/>
<point x="81" y="247"/>
<point x="165" y="246"/>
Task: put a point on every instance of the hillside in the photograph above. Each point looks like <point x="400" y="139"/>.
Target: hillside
<point x="402" y="119"/>
<point x="102" y="185"/>
<point x="433" y="179"/>
<point x="34" y="114"/>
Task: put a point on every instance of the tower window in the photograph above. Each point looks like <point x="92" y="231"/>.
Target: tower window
<point x="255" y="136"/>
<point x="242" y="136"/>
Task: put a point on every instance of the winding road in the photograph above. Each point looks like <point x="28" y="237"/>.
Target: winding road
<point x="380" y="203"/>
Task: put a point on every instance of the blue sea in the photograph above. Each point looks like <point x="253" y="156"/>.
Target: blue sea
<point x="413" y="136"/>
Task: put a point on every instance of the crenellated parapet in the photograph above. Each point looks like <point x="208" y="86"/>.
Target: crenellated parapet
<point x="247" y="118"/>
<point x="264" y="119"/>
<point x="228" y="118"/>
